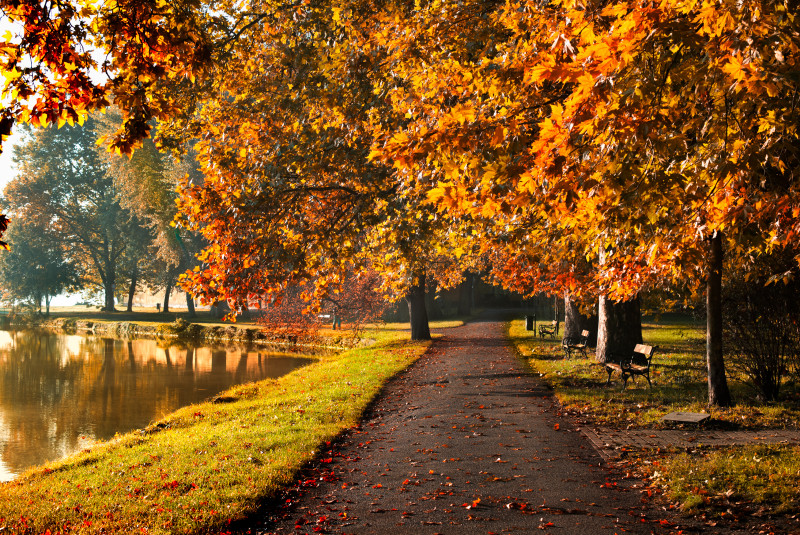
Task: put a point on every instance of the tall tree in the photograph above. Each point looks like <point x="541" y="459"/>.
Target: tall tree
<point x="38" y="267"/>
<point x="146" y="183"/>
<point x="289" y="194"/>
<point x="639" y="128"/>
<point x="63" y="185"/>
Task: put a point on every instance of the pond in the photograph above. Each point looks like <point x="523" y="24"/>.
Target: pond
<point x="60" y="393"/>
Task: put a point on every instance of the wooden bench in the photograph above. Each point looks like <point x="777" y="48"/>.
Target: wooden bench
<point x="551" y="329"/>
<point x="631" y="366"/>
<point x="576" y="345"/>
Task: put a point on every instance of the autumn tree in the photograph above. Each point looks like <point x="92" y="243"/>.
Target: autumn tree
<point x="49" y="52"/>
<point x="662" y="136"/>
<point x="146" y="183"/>
<point x="63" y="186"/>
<point x="290" y="195"/>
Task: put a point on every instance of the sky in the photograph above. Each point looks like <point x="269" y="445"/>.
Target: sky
<point x="7" y="170"/>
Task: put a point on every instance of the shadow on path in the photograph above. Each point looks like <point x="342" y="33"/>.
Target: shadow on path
<point x="463" y="442"/>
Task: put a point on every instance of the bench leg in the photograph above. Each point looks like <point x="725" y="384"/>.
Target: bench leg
<point x="647" y="376"/>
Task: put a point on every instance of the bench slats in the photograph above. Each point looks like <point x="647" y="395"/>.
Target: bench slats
<point x="627" y="368"/>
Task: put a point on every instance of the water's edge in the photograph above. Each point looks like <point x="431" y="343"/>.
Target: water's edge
<point x="183" y="331"/>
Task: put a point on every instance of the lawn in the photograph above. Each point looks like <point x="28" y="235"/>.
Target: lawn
<point x="718" y="482"/>
<point x="678" y="375"/>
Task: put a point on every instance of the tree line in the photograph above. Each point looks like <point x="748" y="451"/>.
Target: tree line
<point x="85" y="219"/>
<point x="595" y="149"/>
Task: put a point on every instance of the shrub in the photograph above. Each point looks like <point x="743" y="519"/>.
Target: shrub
<point x="762" y="331"/>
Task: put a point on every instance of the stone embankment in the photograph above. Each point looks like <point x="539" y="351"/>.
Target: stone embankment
<point x="183" y="331"/>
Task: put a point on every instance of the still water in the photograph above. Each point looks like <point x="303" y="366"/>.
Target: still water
<point x="59" y="393"/>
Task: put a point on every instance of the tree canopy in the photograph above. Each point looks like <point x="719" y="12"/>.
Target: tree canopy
<point x="589" y="147"/>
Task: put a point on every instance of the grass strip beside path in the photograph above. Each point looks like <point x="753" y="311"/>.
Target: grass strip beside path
<point x="763" y="477"/>
<point x="731" y="482"/>
<point x="679" y="376"/>
<point x="208" y="464"/>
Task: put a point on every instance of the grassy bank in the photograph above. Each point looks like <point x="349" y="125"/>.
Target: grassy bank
<point x="208" y="464"/>
<point x="679" y="382"/>
<point x="700" y="480"/>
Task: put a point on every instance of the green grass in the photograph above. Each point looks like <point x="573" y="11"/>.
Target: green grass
<point x="708" y="481"/>
<point x="208" y="464"/>
<point x="434" y="325"/>
<point x="678" y="375"/>
<point x="762" y="475"/>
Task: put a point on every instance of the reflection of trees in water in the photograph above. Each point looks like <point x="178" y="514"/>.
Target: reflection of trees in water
<point x="50" y="397"/>
<point x="35" y="379"/>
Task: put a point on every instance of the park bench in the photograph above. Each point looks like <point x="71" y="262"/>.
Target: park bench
<point x="575" y="345"/>
<point x="551" y="329"/>
<point x="631" y="366"/>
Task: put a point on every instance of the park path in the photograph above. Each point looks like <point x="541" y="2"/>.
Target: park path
<point x="465" y="441"/>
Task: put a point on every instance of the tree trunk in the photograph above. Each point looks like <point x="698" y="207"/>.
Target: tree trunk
<point x="168" y="288"/>
<point x="132" y="288"/>
<point x="718" y="393"/>
<point x="190" y="305"/>
<point x="465" y="296"/>
<point x="108" y="287"/>
<point x="418" y="314"/>
<point x="575" y="322"/>
<point x="556" y="317"/>
<point x="47" y="299"/>
<point x="619" y="328"/>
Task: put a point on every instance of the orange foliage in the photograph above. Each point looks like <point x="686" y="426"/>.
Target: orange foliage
<point x="580" y="146"/>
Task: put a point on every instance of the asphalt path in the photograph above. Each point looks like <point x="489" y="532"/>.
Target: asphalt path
<point x="464" y="441"/>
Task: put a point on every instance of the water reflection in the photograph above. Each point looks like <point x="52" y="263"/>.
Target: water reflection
<point x="59" y="393"/>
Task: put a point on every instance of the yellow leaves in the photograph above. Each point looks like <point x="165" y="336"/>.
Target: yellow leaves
<point x="400" y="138"/>
<point x="735" y="68"/>
<point x="11" y="75"/>
<point x="725" y="23"/>
<point x="615" y="10"/>
<point x="715" y="19"/>
<point x="439" y="193"/>
<point x="539" y="73"/>
<point x="463" y="113"/>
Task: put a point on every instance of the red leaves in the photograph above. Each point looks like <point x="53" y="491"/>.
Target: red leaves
<point x="472" y="505"/>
